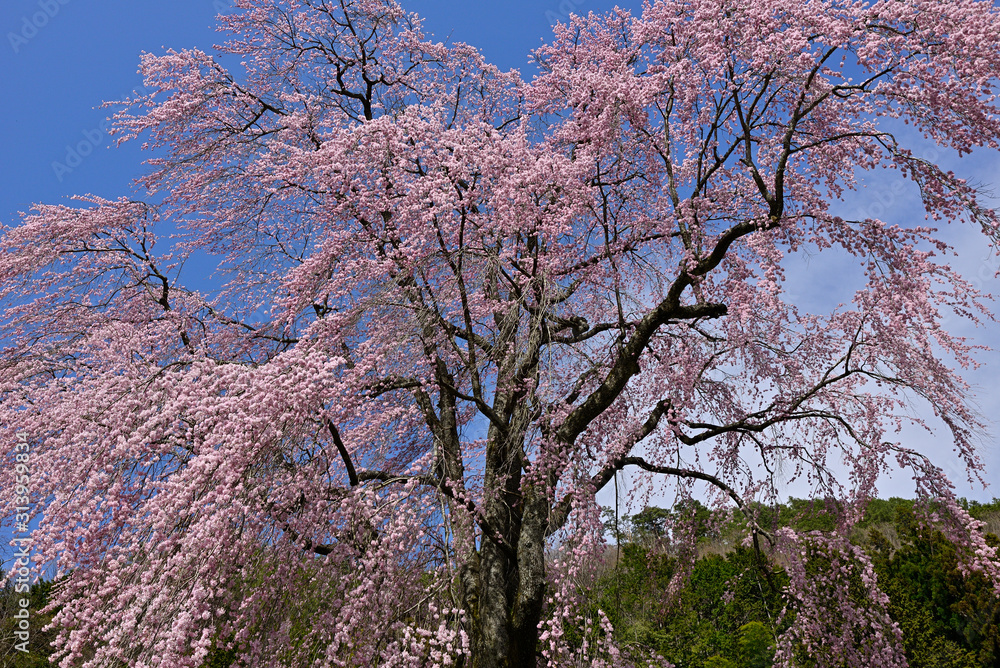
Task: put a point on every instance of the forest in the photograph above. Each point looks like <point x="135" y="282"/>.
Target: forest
<point x="947" y="619"/>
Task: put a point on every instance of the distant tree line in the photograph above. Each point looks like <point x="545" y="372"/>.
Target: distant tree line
<point x="947" y="620"/>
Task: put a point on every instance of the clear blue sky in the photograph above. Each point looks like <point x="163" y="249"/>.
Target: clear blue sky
<point x="53" y="77"/>
<point x="56" y="70"/>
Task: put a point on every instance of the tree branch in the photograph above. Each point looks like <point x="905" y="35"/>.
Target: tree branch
<point x="352" y="475"/>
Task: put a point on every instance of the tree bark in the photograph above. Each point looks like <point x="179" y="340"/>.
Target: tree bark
<point x="512" y="577"/>
<point x="511" y="599"/>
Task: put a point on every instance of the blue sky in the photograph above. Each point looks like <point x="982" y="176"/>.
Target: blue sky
<point x="59" y="59"/>
<point x="53" y="78"/>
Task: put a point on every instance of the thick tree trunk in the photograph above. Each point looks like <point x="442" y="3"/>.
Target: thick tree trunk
<point x="491" y="629"/>
<point x="511" y="588"/>
<point x="511" y="591"/>
<point x="511" y="596"/>
<point x="505" y="627"/>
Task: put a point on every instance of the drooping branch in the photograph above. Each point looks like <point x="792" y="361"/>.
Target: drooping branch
<point x="627" y="364"/>
<point x="352" y="475"/>
<point x="561" y="512"/>
<point x="442" y="485"/>
<point x="607" y="474"/>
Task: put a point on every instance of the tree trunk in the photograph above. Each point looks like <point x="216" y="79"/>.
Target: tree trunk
<point x="502" y="638"/>
<point x="511" y="597"/>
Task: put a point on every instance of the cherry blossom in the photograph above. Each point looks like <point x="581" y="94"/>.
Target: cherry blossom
<point x="456" y="303"/>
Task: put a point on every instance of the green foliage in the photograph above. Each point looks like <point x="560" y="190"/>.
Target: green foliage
<point x="882" y="511"/>
<point x="39" y="641"/>
<point x="947" y="619"/>
<point x="728" y="610"/>
<point x="650" y="523"/>
<point x="632" y="595"/>
<point x="755" y="646"/>
<point x="809" y="514"/>
<point x="219" y="657"/>
<point x="980" y="510"/>
<point x="702" y="625"/>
